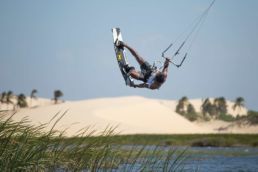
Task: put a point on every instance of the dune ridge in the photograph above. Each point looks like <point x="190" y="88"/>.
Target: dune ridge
<point x="131" y="115"/>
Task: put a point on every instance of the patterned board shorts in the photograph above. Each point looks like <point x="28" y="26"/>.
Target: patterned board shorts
<point x="146" y="70"/>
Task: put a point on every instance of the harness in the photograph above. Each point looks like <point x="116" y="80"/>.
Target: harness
<point x="151" y="79"/>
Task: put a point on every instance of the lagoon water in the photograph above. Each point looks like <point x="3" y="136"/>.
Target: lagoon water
<point x="200" y="159"/>
<point x="228" y="159"/>
<point x="218" y="159"/>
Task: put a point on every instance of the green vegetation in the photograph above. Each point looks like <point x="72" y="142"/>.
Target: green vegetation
<point x="239" y="103"/>
<point x="21" y="101"/>
<point x="190" y="139"/>
<point x="217" y="109"/>
<point x="186" y="109"/>
<point x="252" y="117"/>
<point x="33" y="94"/>
<point x="207" y="108"/>
<point x="226" y="117"/>
<point x="3" y="97"/>
<point x="57" y="95"/>
<point x="25" y="147"/>
<point x="6" y="97"/>
<point x="191" y="113"/>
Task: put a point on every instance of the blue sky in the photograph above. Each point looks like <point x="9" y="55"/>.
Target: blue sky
<point x="67" y="45"/>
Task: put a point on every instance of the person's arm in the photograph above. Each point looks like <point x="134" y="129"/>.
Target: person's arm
<point x="165" y="67"/>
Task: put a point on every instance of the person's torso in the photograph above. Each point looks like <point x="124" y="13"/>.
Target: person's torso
<point x="151" y="81"/>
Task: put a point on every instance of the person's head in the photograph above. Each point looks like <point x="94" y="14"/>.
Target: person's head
<point x="160" y="78"/>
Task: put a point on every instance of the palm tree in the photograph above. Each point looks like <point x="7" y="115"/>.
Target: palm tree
<point x="206" y="106"/>
<point x="185" y="102"/>
<point x="213" y="111"/>
<point x="3" y="97"/>
<point x="181" y="106"/>
<point x="239" y="102"/>
<point x="191" y="109"/>
<point x="32" y="94"/>
<point x="8" y="97"/>
<point x="21" y="101"/>
<point x="209" y="108"/>
<point x="222" y="105"/>
<point x="219" y="106"/>
<point x="191" y="113"/>
<point x="57" y="95"/>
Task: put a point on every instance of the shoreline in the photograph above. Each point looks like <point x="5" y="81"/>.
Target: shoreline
<point x="191" y="140"/>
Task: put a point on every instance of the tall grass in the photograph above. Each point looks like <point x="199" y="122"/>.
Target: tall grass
<point x="25" y="147"/>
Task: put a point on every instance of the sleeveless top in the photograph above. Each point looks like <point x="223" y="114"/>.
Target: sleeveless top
<point x="151" y="79"/>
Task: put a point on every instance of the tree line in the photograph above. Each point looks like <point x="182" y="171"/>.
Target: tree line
<point x="216" y="109"/>
<point x="8" y="97"/>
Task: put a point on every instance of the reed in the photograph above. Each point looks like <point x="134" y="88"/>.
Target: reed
<point x="25" y="147"/>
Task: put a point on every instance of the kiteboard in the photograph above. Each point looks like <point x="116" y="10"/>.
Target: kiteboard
<point x="121" y="56"/>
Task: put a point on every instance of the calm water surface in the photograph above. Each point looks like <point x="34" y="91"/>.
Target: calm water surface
<point x="222" y="159"/>
<point x="238" y="159"/>
<point x="201" y="159"/>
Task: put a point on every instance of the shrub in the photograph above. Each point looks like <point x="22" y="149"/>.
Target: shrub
<point x="226" y="117"/>
<point x="191" y="113"/>
<point x="21" y="102"/>
<point x="186" y="109"/>
<point x="213" y="142"/>
<point x="252" y="117"/>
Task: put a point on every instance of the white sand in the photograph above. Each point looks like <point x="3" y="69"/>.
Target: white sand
<point x="131" y="115"/>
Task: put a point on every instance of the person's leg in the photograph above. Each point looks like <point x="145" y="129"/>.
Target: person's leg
<point x="138" y="58"/>
<point x="133" y="73"/>
<point x="131" y="70"/>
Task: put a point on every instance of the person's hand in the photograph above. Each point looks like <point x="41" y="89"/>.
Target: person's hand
<point x="167" y="61"/>
<point x="119" y="43"/>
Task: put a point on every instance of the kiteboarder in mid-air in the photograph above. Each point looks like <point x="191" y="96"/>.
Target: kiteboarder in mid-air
<point x="151" y="77"/>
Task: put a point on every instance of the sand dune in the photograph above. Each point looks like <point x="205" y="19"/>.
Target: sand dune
<point x="131" y="115"/>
